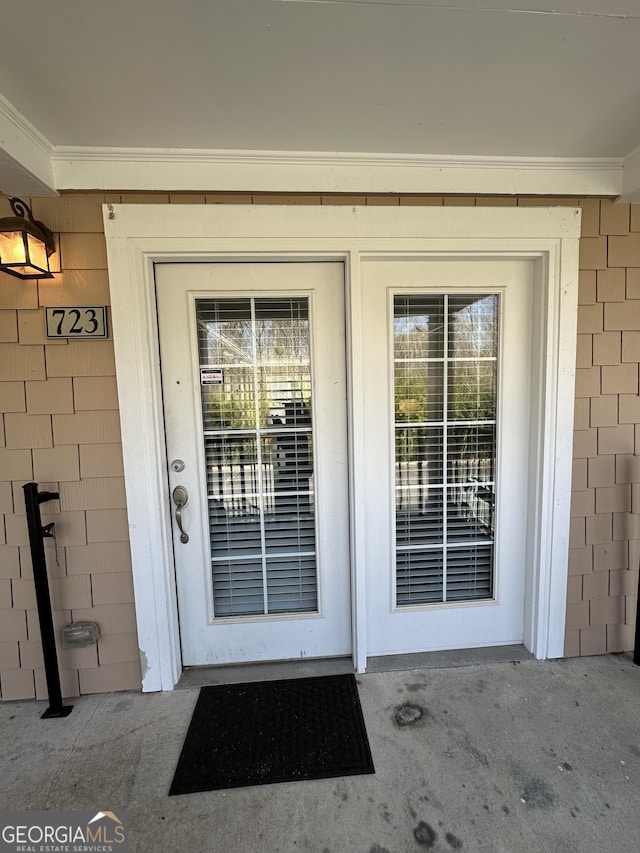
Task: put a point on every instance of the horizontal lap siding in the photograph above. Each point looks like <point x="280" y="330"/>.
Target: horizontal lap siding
<point x="59" y="425"/>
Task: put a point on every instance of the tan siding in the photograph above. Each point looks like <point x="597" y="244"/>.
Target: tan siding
<point x="13" y="623"/>
<point x="31" y="329"/>
<point x="593" y="253"/>
<point x="611" y="285"/>
<point x="112" y="588"/>
<point x="78" y="359"/>
<point x="590" y="223"/>
<point x="107" y="525"/>
<point x="593" y="640"/>
<point x="111" y="676"/>
<point x="57" y="464"/>
<point x="88" y="428"/>
<point x="614" y="218"/>
<point x="8" y="327"/>
<point x="9" y="655"/>
<point x="21" y="362"/>
<point x="12" y="397"/>
<point x="95" y="393"/>
<point x="15" y="465"/>
<point x="633" y="282"/>
<point x="624" y="251"/>
<point x="118" y="648"/>
<point x="68" y="683"/>
<point x="28" y="431"/>
<point x="6" y="497"/>
<point x="55" y="396"/>
<point x="101" y="460"/>
<point x="422" y="201"/>
<point x="99" y="557"/>
<point x="75" y="287"/>
<point x="607" y="348"/>
<point x="15" y="294"/>
<point x="17" y="684"/>
<point x="587" y="287"/>
<point x="75" y="212"/>
<point x="98" y="493"/>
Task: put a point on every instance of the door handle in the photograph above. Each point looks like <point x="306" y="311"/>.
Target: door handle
<point x="180" y="497"/>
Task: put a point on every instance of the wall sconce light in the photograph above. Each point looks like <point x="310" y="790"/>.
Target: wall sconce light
<point x="25" y="245"/>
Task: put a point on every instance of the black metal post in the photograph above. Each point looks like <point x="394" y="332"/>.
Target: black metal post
<point x="32" y="500"/>
<point x="636" y="650"/>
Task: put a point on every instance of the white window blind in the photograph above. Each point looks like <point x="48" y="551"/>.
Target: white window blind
<point x="445" y="393"/>
<point x="255" y="374"/>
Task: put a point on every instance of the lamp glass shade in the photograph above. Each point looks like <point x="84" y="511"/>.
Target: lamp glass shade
<point x="23" y="255"/>
<point x="37" y="253"/>
<point x="12" y="248"/>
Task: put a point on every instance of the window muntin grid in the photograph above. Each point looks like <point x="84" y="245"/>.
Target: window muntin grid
<point x="258" y="447"/>
<point x="445" y="401"/>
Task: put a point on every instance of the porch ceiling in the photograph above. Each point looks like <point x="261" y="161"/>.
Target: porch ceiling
<point x="463" y="79"/>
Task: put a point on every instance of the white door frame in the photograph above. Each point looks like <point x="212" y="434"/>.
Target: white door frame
<point x="138" y="236"/>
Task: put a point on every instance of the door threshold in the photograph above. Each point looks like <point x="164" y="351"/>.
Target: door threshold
<point x="204" y="676"/>
<point x="449" y="658"/>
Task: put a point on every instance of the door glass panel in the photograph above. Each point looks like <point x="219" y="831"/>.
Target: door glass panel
<point x="255" y="376"/>
<point x="445" y="392"/>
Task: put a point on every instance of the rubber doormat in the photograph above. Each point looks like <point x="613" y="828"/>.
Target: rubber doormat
<point x="273" y="731"/>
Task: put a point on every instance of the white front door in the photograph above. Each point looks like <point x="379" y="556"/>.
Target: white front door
<point x="253" y="373"/>
<point x="447" y="379"/>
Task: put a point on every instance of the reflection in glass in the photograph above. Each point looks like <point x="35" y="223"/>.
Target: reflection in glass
<point x="445" y="400"/>
<point x="256" y="408"/>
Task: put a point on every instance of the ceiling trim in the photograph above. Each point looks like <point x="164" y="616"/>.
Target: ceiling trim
<point x="26" y="167"/>
<point x="631" y="177"/>
<point x="201" y="170"/>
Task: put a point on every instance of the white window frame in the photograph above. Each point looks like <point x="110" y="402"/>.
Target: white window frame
<point x="138" y="236"/>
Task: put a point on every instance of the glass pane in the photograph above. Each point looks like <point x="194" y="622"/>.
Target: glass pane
<point x="233" y="472"/>
<point x="473" y="326"/>
<point x="419" y="456"/>
<point x="418" y="324"/>
<point x="238" y="587"/>
<point x="420" y="518"/>
<point x="471" y="389"/>
<point x="470" y="573"/>
<point x="224" y="332"/>
<point x="471" y="452"/>
<point x="445" y="474"/>
<point x="419" y="577"/>
<point x="230" y="404"/>
<point x="291" y="584"/>
<point x="256" y="403"/>
<point x="12" y="248"/>
<point x="469" y="512"/>
<point x="419" y="391"/>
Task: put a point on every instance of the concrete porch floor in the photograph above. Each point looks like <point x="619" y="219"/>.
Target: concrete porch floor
<point x="507" y="757"/>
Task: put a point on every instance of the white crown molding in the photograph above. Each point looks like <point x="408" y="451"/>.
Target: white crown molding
<point x="23" y="130"/>
<point x="25" y="155"/>
<point x="202" y="170"/>
<point x="631" y="177"/>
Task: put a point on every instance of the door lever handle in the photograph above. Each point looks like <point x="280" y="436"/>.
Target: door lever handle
<point x="180" y="497"/>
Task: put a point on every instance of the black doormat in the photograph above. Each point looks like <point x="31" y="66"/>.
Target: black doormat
<point x="273" y="731"/>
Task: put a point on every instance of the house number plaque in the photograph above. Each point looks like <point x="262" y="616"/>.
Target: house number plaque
<point x="84" y="322"/>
